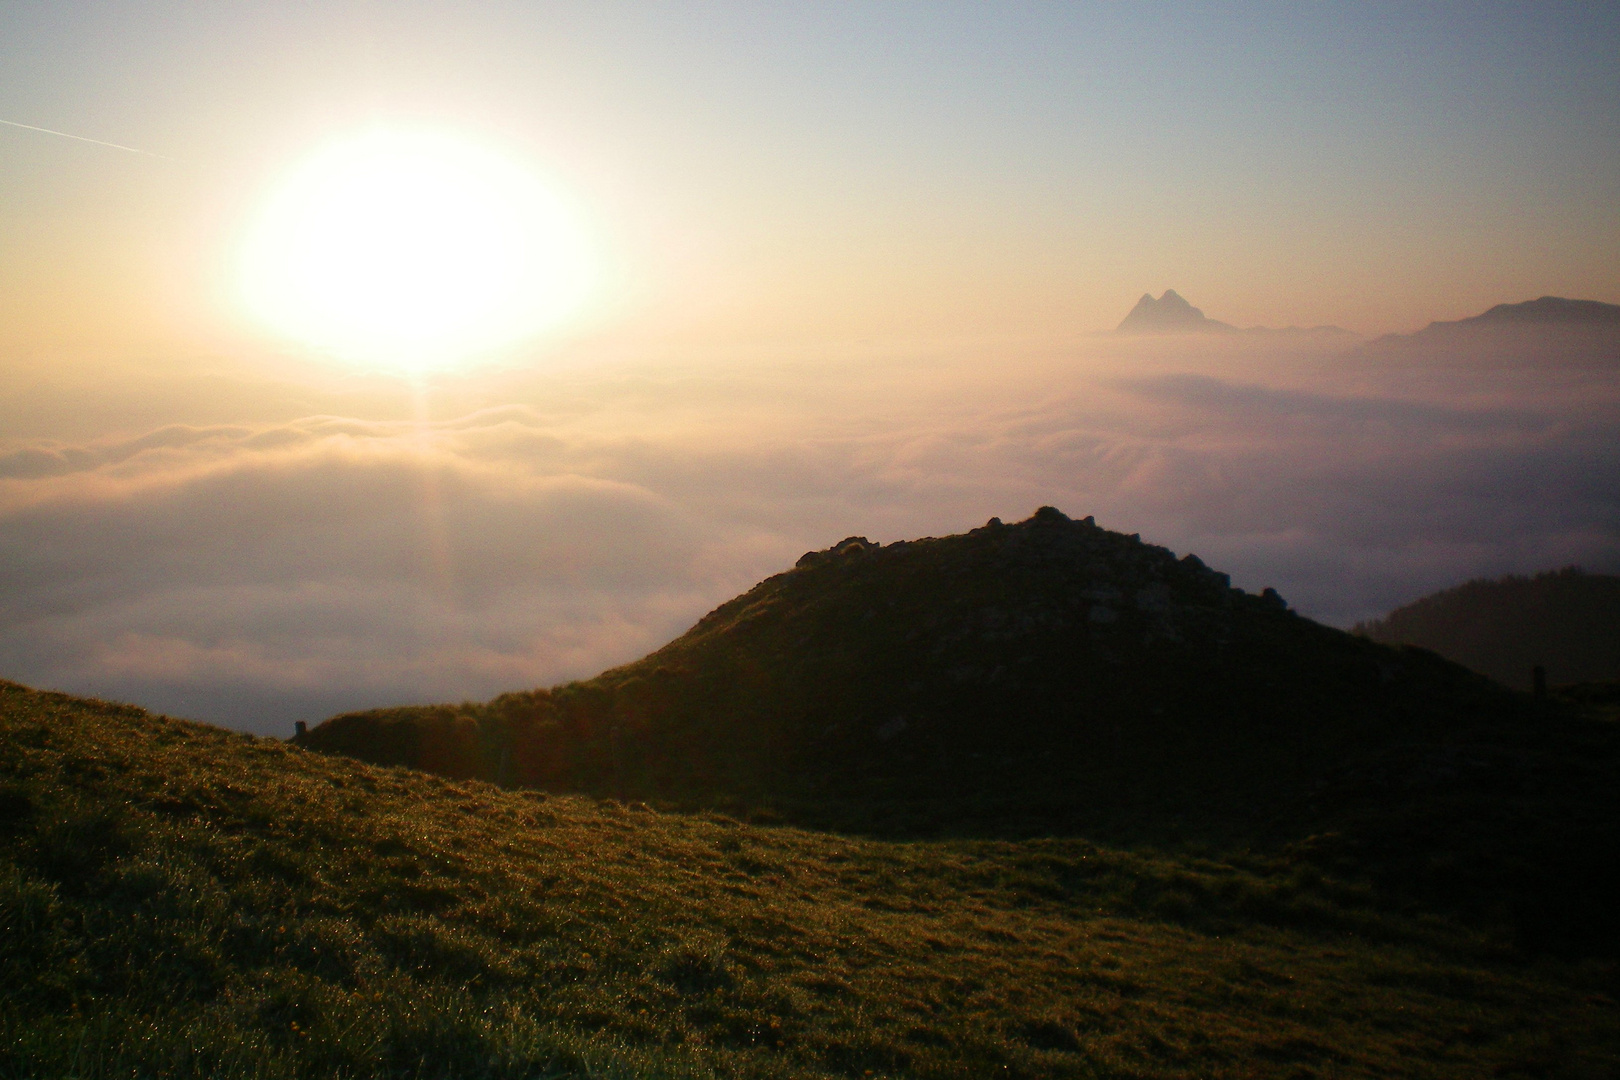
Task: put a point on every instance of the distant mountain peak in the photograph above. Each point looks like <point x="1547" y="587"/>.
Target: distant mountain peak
<point x="1170" y="313"/>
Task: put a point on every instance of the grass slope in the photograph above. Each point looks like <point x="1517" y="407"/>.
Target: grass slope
<point x="181" y="901"/>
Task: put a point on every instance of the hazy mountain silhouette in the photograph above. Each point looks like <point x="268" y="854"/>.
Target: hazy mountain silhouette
<point x="1542" y="311"/>
<point x="1030" y="677"/>
<point x="1550" y="328"/>
<point x="1171" y="314"/>
<point x="1566" y="621"/>
<point x="1168" y="314"/>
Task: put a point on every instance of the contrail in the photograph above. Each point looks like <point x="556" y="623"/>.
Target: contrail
<point x="81" y="138"/>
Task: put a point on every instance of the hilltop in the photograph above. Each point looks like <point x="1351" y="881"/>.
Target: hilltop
<point x="186" y="902"/>
<point x="1567" y="621"/>
<point x="1043" y="676"/>
<point x="1053" y="679"/>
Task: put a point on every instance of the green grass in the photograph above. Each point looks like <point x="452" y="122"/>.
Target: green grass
<point x="181" y="901"/>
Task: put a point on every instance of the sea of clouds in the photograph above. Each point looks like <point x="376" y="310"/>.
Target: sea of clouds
<point x="251" y="551"/>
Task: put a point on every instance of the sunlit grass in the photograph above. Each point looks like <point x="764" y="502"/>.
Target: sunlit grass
<point x="181" y="901"/>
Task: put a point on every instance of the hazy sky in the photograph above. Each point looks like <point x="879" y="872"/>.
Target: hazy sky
<point x="847" y="170"/>
<point x="853" y="262"/>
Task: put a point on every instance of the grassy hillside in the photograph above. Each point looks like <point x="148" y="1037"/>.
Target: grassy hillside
<point x="1566" y="621"/>
<point x="181" y="901"/>
<point x="1046" y="676"/>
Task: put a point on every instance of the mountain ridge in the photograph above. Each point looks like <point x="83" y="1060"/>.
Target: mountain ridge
<point x="1542" y="310"/>
<point x="1549" y="327"/>
<point x="1171" y="314"/>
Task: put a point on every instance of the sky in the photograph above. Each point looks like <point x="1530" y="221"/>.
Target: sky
<point x="852" y="269"/>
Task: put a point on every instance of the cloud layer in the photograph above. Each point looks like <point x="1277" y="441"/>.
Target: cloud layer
<point x="259" y="572"/>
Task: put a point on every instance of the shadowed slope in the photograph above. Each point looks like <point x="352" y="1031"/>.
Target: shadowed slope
<point x="1567" y="621"/>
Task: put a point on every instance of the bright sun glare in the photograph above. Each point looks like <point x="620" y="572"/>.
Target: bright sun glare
<point x="414" y="251"/>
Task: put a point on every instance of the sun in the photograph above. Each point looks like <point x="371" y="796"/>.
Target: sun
<point x="414" y="251"/>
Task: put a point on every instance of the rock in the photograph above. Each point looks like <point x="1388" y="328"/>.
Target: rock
<point x="1154" y="598"/>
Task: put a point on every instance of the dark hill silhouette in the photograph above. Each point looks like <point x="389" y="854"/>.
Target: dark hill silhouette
<point x="1040" y="676"/>
<point x="1566" y="621"/>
